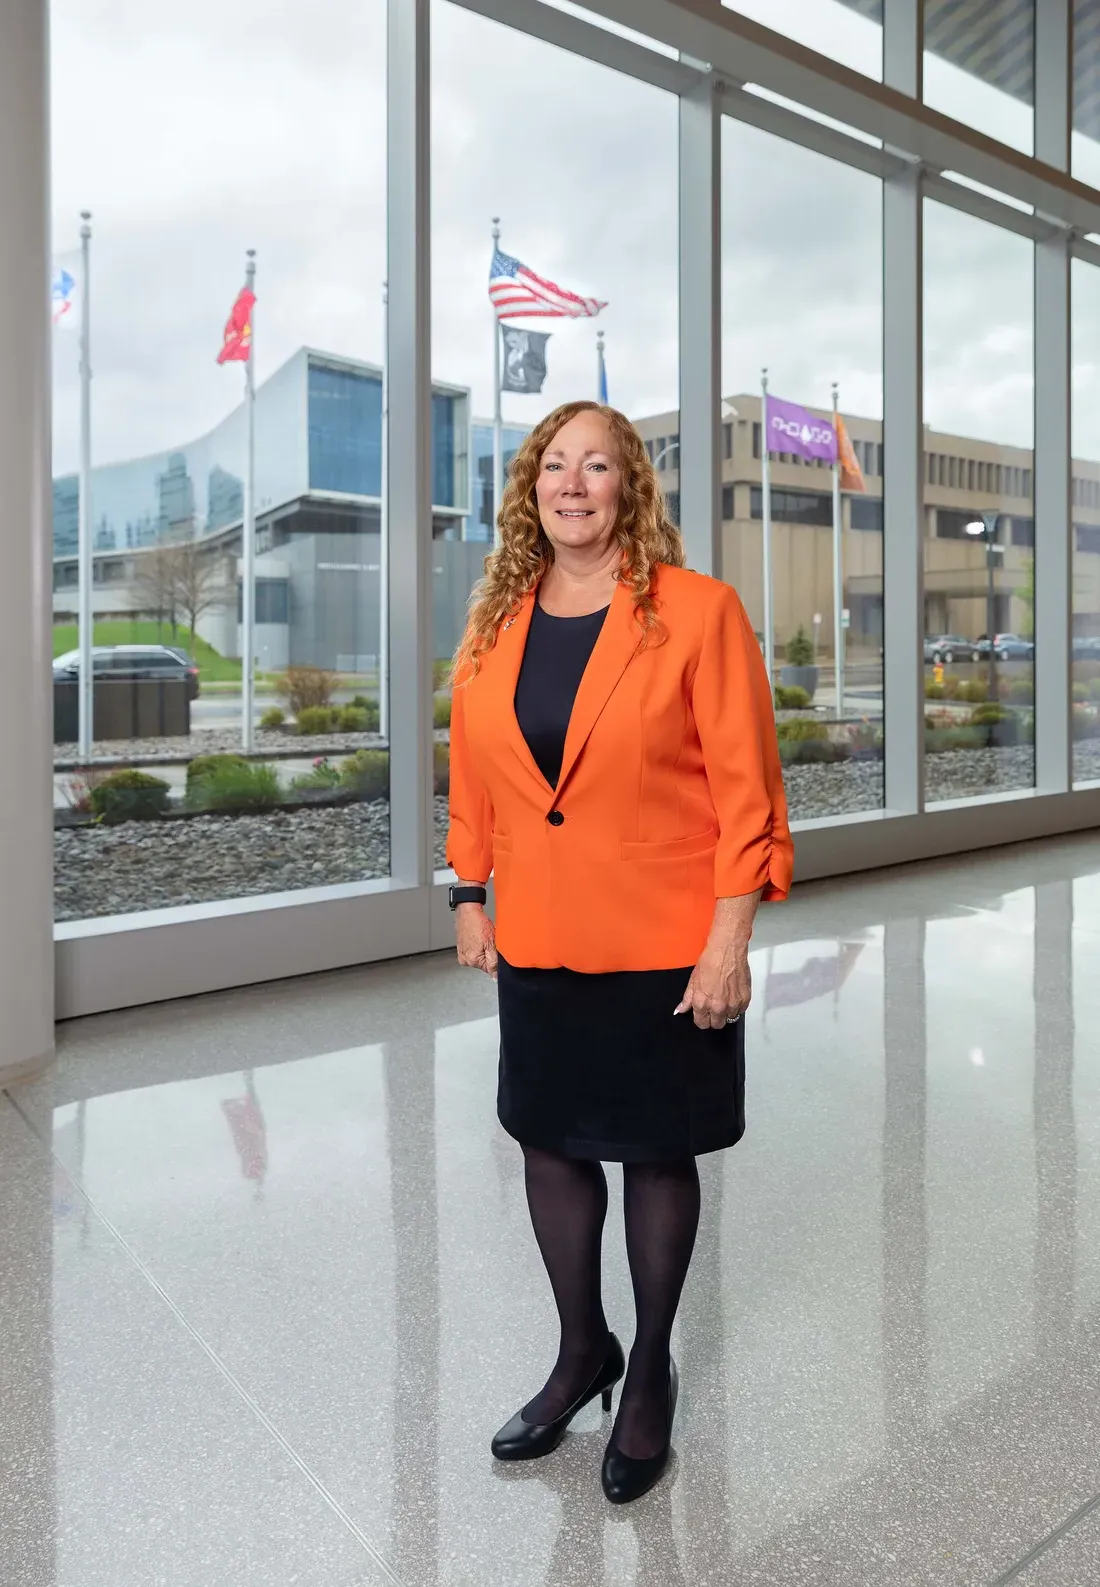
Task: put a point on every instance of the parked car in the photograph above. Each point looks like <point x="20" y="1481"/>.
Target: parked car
<point x="1006" y="647"/>
<point x="133" y="663"/>
<point x="946" y="648"/>
<point x="1086" y="648"/>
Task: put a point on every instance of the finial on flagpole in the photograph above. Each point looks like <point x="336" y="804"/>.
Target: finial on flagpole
<point x="85" y="230"/>
<point x="496" y="228"/>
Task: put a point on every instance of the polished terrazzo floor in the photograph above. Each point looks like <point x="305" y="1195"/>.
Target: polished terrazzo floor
<point x="267" y="1285"/>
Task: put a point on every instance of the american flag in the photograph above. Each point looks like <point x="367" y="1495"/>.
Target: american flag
<point x="514" y="290"/>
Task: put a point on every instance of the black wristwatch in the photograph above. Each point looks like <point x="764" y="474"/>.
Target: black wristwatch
<point x="465" y="895"/>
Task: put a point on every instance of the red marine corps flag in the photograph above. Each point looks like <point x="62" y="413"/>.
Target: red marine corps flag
<point x="237" y="341"/>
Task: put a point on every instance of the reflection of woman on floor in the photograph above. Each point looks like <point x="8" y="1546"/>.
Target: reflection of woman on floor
<point x="614" y="764"/>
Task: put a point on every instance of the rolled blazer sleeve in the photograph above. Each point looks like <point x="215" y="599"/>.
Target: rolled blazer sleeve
<point x="732" y="705"/>
<point x="470" y="833"/>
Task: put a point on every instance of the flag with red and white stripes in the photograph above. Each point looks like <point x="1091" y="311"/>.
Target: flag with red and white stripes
<point x="515" y="290"/>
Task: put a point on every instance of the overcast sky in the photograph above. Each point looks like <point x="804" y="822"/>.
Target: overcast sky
<point x="195" y="132"/>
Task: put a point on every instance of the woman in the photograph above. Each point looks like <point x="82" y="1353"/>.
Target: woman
<point x="614" y="764"/>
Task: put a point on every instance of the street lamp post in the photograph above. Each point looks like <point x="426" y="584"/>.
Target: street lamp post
<point x="986" y="530"/>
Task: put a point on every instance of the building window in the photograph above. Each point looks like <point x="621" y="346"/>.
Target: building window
<point x="793" y="506"/>
<point x="727" y="501"/>
<point x="1088" y="537"/>
<point x="727" y="441"/>
<point x="866" y="513"/>
<point x="756" y="441"/>
<point x="672" y="502"/>
<point x="661" y="455"/>
<point x="1022" y="531"/>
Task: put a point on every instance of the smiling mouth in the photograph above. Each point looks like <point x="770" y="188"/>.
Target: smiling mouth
<point x="574" y="512"/>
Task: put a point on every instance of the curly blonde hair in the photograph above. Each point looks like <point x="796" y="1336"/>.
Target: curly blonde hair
<point x="644" y="530"/>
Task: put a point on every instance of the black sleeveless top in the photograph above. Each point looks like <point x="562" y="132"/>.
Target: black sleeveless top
<point x="554" y="660"/>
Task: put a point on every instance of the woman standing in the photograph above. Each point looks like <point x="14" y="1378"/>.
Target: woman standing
<point x="614" y="765"/>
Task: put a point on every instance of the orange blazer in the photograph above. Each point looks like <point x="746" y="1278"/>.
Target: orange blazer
<point x="670" y="793"/>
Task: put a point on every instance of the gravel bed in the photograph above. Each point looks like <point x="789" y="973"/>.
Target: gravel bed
<point x="152" y="865"/>
<point x="215" y="741"/>
<point x="159" y="865"/>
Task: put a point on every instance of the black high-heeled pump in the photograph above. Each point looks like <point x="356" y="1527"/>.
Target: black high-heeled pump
<point x="623" y="1477"/>
<point x="520" y="1440"/>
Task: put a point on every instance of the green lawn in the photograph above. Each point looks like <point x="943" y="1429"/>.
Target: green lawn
<point x="213" y="668"/>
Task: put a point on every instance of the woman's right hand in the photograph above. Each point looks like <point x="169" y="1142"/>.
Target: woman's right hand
<point x="476" y="938"/>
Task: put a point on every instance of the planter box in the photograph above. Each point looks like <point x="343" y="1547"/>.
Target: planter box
<point x="799" y="678"/>
<point x="125" y="708"/>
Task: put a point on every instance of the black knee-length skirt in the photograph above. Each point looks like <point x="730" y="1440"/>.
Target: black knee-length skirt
<point x="598" y="1066"/>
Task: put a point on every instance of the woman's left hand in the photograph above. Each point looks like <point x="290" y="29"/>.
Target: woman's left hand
<point x="720" y="986"/>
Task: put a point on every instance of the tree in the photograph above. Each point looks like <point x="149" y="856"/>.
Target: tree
<point x="181" y="579"/>
<point x="203" y="579"/>
<point x="155" y="584"/>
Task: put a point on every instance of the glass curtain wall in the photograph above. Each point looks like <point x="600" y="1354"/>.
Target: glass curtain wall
<point x="1085" y="286"/>
<point x="173" y="798"/>
<point x="806" y="306"/>
<point x="979" y="517"/>
<point x="845" y="30"/>
<point x="979" y="66"/>
<point x="567" y="212"/>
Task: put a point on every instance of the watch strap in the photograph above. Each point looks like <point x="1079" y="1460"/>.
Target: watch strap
<point x="465" y="895"/>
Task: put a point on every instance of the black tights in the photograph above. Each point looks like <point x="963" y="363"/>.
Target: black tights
<point x="568" y="1201"/>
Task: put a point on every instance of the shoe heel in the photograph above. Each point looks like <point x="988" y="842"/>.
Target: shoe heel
<point x="605" y="1400"/>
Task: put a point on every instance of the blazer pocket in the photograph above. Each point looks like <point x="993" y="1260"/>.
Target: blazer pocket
<point x="502" y="844"/>
<point x="671" y="848"/>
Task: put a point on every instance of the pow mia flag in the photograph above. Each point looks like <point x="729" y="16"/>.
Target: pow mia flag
<point x="524" y="368"/>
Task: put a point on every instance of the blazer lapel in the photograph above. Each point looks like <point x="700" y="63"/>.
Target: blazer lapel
<point x="619" y="638"/>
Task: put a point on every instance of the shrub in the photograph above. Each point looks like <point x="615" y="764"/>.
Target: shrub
<point x="952" y="683"/>
<point x="352" y="719"/>
<point x="812" y="752"/>
<point x="441" y="770"/>
<point x="363" y="702"/>
<point x="314" y="719"/>
<point x="988" y="715"/>
<point x="939" y="739"/>
<point x="1086" y="671"/>
<point x="800" y="650"/>
<point x="322" y="774"/>
<point x="80" y="785"/>
<point x="792" y="698"/>
<point x="245" y="786"/>
<point x="934" y="691"/>
<point x="205" y="765"/>
<point x="1086" y="724"/>
<point x="306" y="686"/>
<point x="976" y="691"/>
<point x="272" y="719"/>
<point x="366" y="774"/>
<point x="800" y="730"/>
<point x="865" y="736"/>
<point x="1080" y="693"/>
<point x="1021" y="692"/>
<point x="441" y="710"/>
<point x="129" y="795"/>
<point x="441" y="673"/>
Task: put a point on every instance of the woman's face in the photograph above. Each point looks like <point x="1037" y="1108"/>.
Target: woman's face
<point x="579" y="483"/>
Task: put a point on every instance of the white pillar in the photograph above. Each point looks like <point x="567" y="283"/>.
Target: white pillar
<point x="26" y="772"/>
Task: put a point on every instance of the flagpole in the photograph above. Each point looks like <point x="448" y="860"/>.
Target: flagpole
<point x="766" y="515"/>
<point x="838" y="570"/>
<point x="601" y="370"/>
<point x="498" y="418"/>
<point x="85" y="616"/>
<point x="384" y="531"/>
<point x="248" y="526"/>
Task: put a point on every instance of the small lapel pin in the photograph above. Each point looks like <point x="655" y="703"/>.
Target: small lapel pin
<point x="508" y="622"/>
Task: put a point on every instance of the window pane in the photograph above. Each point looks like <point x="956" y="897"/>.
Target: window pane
<point x="979" y="66"/>
<point x="1086" y="522"/>
<point x="811" y="315"/>
<point x="573" y="127"/>
<point x="979" y="544"/>
<point x="287" y="157"/>
<point x="845" y="30"/>
<point x="1086" y="91"/>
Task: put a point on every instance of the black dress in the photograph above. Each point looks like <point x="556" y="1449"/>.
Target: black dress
<point x="597" y="1066"/>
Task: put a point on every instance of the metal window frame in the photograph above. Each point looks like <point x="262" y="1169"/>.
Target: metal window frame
<point x="171" y="953"/>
